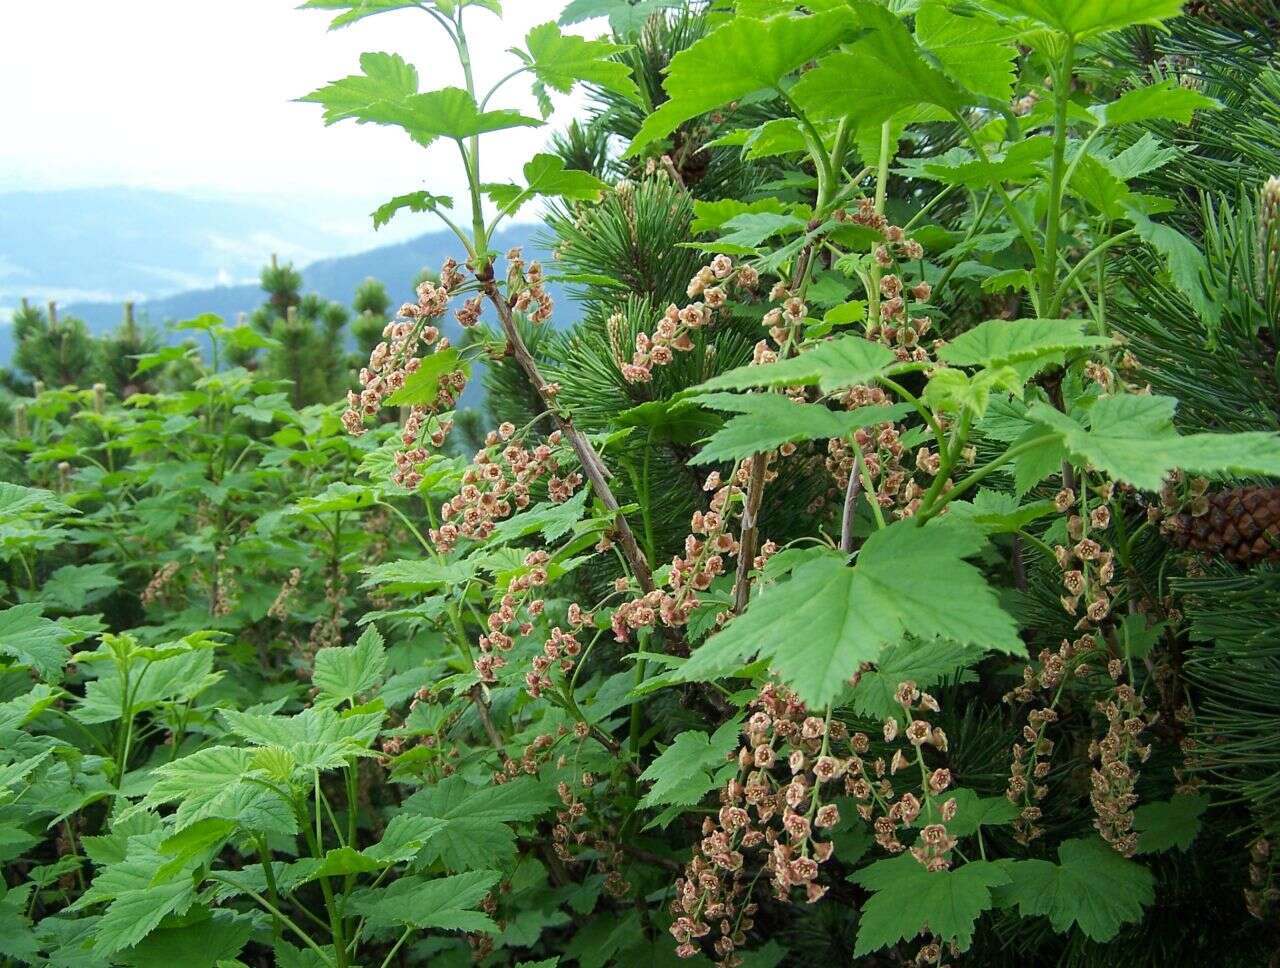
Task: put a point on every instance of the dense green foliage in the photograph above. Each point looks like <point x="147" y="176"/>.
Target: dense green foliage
<point x="882" y="572"/>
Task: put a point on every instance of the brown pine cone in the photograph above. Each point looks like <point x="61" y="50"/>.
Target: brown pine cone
<point x="1241" y="524"/>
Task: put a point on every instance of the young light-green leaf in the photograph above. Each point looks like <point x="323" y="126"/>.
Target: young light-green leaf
<point x="830" y="365"/>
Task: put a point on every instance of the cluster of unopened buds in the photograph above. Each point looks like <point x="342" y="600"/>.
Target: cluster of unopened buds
<point x="775" y="806"/>
<point x="529" y="286"/>
<point x="398" y="356"/>
<point x="498" y="483"/>
<point x="707" y="548"/>
<point x="672" y="332"/>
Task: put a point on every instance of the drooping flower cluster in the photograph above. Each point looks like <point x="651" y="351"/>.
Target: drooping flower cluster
<point x="279" y="609"/>
<point x="672" y="332"/>
<point x="528" y="287"/>
<point x="159" y="582"/>
<point x="1088" y="569"/>
<point x="777" y="807"/>
<point x="514" y="616"/>
<point x="498" y="483"/>
<point x="922" y="804"/>
<point x="707" y="549"/>
<point x="890" y="321"/>
<point x="1114" y="777"/>
<point x="399" y="354"/>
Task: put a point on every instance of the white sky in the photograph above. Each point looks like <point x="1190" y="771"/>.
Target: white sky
<point x="197" y="95"/>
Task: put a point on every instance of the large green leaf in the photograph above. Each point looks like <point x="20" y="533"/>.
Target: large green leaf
<point x="423" y="384"/>
<point x="474" y="819"/>
<point x="972" y="49"/>
<point x="561" y="60"/>
<point x="1131" y="438"/>
<point x="546" y="175"/>
<point x="1001" y="342"/>
<point x="33" y="640"/>
<point x="683" y="773"/>
<point x="832" y="365"/>
<point x="387" y="93"/>
<point x="906" y="900"/>
<point x="442" y="903"/>
<point x="1084" y="18"/>
<point x="1092" y="887"/>
<point x="387" y="80"/>
<point x="768" y="420"/>
<point x="879" y="75"/>
<point x="739" y="58"/>
<point x="342" y="673"/>
<point x="1163" y="825"/>
<point x="828" y="617"/>
<point x="213" y="782"/>
<point x="1165" y="101"/>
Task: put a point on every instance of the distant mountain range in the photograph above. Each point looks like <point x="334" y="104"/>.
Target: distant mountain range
<point x="92" y="249"/>
<point x="111" y="244"/>
<point x="395" y="265"/>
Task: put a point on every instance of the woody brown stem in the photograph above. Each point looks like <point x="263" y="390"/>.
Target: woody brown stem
<point x="749" y="534"/>
<point x="592" y="465"/>
<point x="486" y="720"/>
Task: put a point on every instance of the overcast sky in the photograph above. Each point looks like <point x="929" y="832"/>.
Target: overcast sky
<point x="198" y="95"/>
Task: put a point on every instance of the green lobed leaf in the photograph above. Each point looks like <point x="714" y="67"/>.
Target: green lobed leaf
<point x="441" y="904"/>
<point x="832" y="365"/>
<point x="546" y="175"/>
<point x="1131" y="438"/>
<point x="413" y="201"/>
<point x="1166" y="100"/>
<point x="817" y="627"/>
<point x="906" y="899"/>
<point x="1000" y="342"/>
<point x="1085" y="18"/>
<point x="423" y="384"/>
<point x="1091" y="887"/>
<point x="768" y="420"/>
<point x="33" y="640"/>
<point x="562" y="60"/>
<point x="683" y="773"/>
<point x="1163" y="825"/>
<point x="342" y="673"/>
<point x="742" y="56"/>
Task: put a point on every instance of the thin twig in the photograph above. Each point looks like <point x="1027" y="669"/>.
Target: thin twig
<point x="592" y="465"/>
<point x="486" y="720"/>
<point x="851" y="492"/>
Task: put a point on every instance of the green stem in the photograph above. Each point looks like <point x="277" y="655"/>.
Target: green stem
<point x="979" y="475"/>
<point x="1049" y="301"/>
<point x="280" y="915"/>
<point x="1079" y="267"/>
